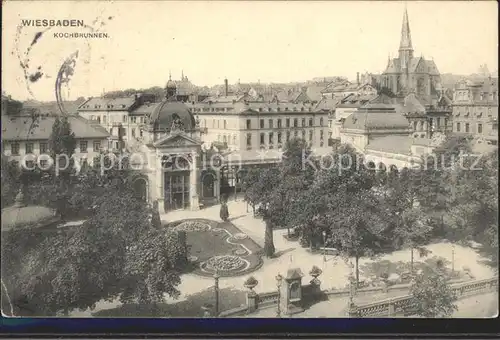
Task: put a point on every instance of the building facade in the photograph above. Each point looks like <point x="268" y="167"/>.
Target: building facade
<point x="475" y="110"/>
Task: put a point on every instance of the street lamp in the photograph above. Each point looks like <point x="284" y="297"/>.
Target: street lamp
<point x="279" y="280"/>
<point x="324" y="246"/>
<point x="216" y="289"/>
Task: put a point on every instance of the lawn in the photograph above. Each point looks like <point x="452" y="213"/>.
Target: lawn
<point x="220" y="241"/>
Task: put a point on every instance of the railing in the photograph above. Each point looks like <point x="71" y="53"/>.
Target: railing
<point x="267" y="299"/>
<point x="403" y="304"/>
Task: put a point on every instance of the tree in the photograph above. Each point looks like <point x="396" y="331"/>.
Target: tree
<point x="433" y="296"/>
<point x="473" y="214"/>
<point x="250" y="188"/>
<point x="413" y="231"/>
<point x="116" y="253"/>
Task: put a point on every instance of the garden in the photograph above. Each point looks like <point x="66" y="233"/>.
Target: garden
<point x="218" y="247"/>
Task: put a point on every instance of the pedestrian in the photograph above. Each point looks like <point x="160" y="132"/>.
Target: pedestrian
<point x="224" y="212"/>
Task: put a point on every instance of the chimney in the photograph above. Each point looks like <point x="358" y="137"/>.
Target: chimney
<point x="226" y="87"/>
<point x="357" y="78"/>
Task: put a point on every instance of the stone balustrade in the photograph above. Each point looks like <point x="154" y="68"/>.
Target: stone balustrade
<point x="403" y="305"/>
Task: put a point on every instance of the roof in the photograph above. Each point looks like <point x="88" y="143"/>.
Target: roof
<point x="391" y="144"/>
<point x="108" y="104"/>
<point x="164" y="114"/>
<point x="52" y="108"/>
<point x="40" y="128"/>
<point x="327" y="104"/>
<point x="376" y="118"/>
<point x="20" y="216"/>
<point x="412" y="104"/>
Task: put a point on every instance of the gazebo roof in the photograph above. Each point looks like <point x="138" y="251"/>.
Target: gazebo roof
<point x="21" y="216"/>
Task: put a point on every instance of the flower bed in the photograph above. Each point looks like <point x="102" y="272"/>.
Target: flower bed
<point x="240" y="236"/>
<point x="224" y="263"/>
<point x="192" y="226"/>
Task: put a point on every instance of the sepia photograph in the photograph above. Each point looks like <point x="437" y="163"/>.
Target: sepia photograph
<point x="249" y="159"/>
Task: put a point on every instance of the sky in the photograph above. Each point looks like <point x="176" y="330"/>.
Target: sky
<point x="249" y="41"/>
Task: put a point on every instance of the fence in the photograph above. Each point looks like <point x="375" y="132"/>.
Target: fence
<point x="404" y="304"/>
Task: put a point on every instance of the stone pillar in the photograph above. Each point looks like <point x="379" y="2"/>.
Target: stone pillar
<point x="252" y="301"/>
<point x="195" y="204"/>
<point x="391" y="310"/>
<point x="159" y="184"/>
<point x="217" y="185"/>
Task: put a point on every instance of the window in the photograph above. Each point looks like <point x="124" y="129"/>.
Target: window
<point x="262" y="139"/>
<point x="140" y="133"/>
<point x="438" y="122"/>
<point x="479" y="128"/>
<point x="287" y="136"/>
<point x="124" y="131"/>
<point x="83" y="146"/>
<point x="29" y="147"/>
<point x="30" y="164"/>
<point x="271" y="140"/>
<point x="133" y="119"/>
<point x="310" y="135"/>
<point x="295" y="122"/>
<point x="262" y="123"/>
<point x="97" y="146"/>
<point x="304" y="134"/>
<point x="111" y="131"/>
<point x="133" y="132"/>
<point x="224" y="139"/>
<point x="310" y="122"/>
<point x="225" y="124"/>
<point x="458" y="127"/>
<point x="43" y="148"/>
<point x="321" y="134"/>
<point x="279" y="123"/>
<point x="296" y="134"/>
<point x="14" y="148"/>
<point x="414" y="126"/>
<point x="104" y="119"/>
<point x="288" y="122"/>
<point x="321" y="141"/>
<point x="249" y="141"/>
<point x="466" y="127"/>
<point x="234" y="139"/>
<point x="279" y="137"/>
<point x="303" y="122"/>
<point x="124" y="119"/>
<point x="321" y="122"/>
<point x="271" y="123"/>
<point x="249" y="124"/>
<point x="43" y="164"/>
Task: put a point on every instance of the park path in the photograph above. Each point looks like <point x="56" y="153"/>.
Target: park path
<point x="292" y="255"/>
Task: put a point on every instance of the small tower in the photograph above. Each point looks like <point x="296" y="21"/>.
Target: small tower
<point x="171" y="88"/>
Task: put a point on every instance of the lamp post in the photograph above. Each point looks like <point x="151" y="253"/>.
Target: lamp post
<point x="324" y="246"/>
<point x="279" y="280"/>
<point x="216" y="290"/>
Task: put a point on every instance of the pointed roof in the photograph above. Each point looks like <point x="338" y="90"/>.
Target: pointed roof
<point x="405" y="43"/>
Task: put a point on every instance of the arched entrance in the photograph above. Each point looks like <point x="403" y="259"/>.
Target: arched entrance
<point x="140" y="186"/>
<point x="208" y="180"/>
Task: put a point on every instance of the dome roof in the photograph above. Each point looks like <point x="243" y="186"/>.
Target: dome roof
<point x="164" y="114"/>
<point x="170" y="84"/>
<point x="21" y="216"/>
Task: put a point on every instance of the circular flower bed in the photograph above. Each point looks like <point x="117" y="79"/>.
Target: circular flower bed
<point x="225" y="263"/>
<point x="191" y="226"/>
<point x="240" y="236"/>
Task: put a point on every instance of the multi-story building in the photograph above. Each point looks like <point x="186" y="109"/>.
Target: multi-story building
<point x="25" y="139"/>
<point x="475" y="110"/>
<point x="242" y="133"/>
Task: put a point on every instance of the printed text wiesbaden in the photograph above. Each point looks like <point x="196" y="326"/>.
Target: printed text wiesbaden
<point x="52" y="23"/>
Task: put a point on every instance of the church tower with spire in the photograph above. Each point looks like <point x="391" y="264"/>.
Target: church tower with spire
<point x="409" y="74"/>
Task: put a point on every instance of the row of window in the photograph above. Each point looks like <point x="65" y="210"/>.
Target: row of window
<point x="124" y="119"/>
<point x="260" y="109"/>
<point x="279" y="139"/>
<point x="217" y="123"/>
<point x="44" y="147"/>
<point x="287" y="123"/>
<point x="458" y="127"/>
